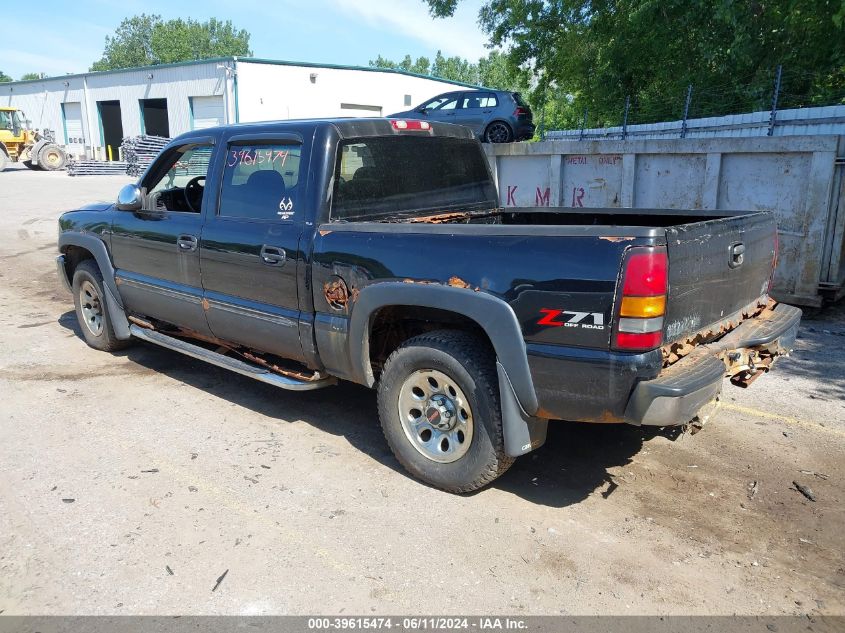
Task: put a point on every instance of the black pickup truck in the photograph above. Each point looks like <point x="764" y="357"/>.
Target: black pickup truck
<point x="375" y="251"/>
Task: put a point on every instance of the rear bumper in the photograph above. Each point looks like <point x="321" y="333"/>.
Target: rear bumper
<point x="524" y="131"/>
<point x="681" y="390"/>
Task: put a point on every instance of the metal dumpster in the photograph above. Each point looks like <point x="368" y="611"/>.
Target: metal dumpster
<point x="798" y="178"/>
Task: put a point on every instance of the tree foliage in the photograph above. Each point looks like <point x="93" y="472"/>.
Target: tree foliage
<point x="28" y="76"/>
<point x="146" y="40"/>
<point x="422" y="65"/>
<point x="494" y="71"/>
<point x="4" y="77"/>
<point x="592" y="54"/>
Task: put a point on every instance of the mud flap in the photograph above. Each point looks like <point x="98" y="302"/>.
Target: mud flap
<point x="119" y="322"/>
<point x="522" y="432"/>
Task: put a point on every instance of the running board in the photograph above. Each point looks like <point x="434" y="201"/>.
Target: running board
<point x="232" y="364"/>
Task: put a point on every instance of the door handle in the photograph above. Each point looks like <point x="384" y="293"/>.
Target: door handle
<point x="273" y="255"/>
<point x="186" y="243"/>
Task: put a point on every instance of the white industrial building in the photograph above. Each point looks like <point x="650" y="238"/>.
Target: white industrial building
<point x="91" y="112"/>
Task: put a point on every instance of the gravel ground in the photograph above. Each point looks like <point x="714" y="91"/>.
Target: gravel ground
<point x="131" y="482"/>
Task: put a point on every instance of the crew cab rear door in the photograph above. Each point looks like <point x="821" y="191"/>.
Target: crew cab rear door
<point x="250" y="244"/>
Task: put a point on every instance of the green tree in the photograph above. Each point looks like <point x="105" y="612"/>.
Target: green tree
<point x="28" y="76"/>
<point x="421" y="66"/>
<point x="494" y="71"/>
<point x="4" y="77"/>
<point x="146" y="40"/>
<point x="455" y="69"/>
<point x="591" y="54"/>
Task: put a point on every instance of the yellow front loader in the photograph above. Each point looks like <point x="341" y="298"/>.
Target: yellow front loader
<point x="20" y="144"/>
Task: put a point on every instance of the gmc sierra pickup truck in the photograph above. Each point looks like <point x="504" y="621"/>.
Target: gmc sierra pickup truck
<point x="375" y="251"/>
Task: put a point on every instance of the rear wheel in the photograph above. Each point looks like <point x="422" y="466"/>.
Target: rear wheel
<point x="498" y="132"/>
<point x="438" y="402"/>
<point x="89" y="298"/>
<point x="4" y="160"/>
<point x="52" y="157"/>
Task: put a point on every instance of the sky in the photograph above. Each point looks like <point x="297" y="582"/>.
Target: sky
<point x="62" y="36"/>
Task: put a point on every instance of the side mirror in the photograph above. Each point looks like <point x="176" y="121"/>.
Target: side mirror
<point x="129" y="198"/>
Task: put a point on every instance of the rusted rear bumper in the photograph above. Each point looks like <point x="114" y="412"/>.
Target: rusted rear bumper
<point x="746" y="352"/>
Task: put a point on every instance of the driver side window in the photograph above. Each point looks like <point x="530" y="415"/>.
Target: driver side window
<point x="181" y="186"/>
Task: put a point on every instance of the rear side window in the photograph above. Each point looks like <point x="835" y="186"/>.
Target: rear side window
<point x="489" y="101"/>
<point x="474" y="100"/>
<point x="404" y="176"/>
<point x="261" y="182"/>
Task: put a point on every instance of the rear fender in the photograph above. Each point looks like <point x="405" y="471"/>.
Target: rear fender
<point x="523" y="432"/>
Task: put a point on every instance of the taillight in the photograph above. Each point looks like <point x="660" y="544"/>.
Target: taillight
<point x="520" y="111"/>
<point x="645" y="281"/>
<point x="400" y="125"/>
<point x="774" y="263"/>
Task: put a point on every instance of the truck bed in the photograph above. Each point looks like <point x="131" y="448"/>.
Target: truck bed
<point x="706" y="287"/>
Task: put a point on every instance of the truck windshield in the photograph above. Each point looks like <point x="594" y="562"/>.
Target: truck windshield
<point x="407" y="176"/>
<point x="20" y="119"/>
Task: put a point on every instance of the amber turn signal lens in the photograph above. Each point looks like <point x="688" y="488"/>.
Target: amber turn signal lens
<point x="644" y="307"/>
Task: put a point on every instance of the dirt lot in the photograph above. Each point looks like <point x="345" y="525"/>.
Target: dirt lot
<point x="131" y="482"/>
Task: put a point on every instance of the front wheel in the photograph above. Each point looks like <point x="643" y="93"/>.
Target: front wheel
<point x="498" y="132"/>
<point x="438" y="401"/>
<point x="89" y="298"/>
<point x="52" y="157"/>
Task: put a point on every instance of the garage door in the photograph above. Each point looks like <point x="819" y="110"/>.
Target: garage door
<point x="207" y="111"/>
<point x="74" y="135"/>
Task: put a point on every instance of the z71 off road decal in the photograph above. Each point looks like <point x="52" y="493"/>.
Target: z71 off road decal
<point x="571" y="318"/>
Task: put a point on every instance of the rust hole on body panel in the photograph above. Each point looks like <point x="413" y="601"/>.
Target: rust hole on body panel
<point x="336" y="293"/>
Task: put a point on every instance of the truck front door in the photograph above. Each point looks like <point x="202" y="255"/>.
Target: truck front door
<point x="156" y="248"/>
<point x="250" y="247"/>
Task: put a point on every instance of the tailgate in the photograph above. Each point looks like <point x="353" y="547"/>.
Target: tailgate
<point x="716" y="268"/>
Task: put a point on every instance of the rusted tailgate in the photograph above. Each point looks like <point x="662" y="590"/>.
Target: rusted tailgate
<point x="716" y="268"/>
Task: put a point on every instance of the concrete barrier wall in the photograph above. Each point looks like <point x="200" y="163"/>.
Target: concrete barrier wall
<point x="798" y="178"/>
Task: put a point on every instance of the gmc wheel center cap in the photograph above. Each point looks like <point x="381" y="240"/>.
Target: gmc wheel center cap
<point x="440" y="413"/>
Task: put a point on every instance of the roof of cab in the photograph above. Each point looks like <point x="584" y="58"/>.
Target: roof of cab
<point x="345" y="127"/>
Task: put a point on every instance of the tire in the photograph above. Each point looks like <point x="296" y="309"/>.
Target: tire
<point x="29" y="165"/>
<point x="4" y="160"/>
<point x="466" y="396"/>
<point x="91" y="312"/>
<point x="52" y="157"/>
<point x="498" y="132"/>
